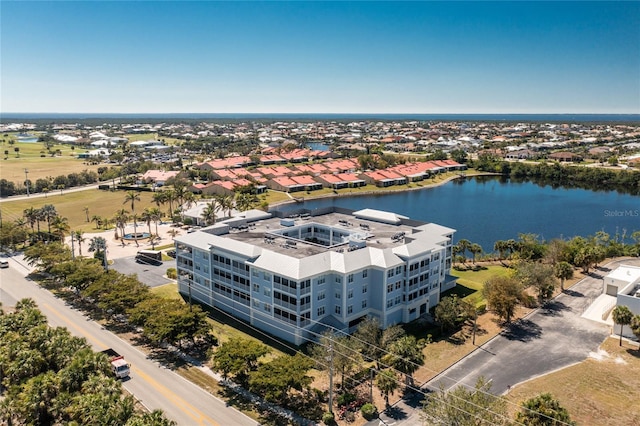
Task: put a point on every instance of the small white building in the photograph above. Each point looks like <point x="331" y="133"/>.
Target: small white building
<point x="624" y="284"/>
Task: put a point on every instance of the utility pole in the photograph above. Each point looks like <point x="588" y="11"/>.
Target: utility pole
<point x="331" y="376"/>
<point x="371" y="385"/>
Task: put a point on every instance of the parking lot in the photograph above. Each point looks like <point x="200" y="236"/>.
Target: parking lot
<point x="150" y="275"/>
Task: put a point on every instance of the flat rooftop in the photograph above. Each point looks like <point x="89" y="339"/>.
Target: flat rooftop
<point x="297" y="236"/>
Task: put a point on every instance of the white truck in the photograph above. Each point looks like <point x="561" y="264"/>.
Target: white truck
<point x="119" y="366"/>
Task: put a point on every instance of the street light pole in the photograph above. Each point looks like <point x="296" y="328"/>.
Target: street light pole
<point x="26" y="180"/>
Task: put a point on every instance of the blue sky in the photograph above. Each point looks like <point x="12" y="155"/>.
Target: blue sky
<point x="331" y="57"/>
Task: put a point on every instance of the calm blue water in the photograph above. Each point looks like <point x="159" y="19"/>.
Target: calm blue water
<point x="487" y="209"/>
<point x="318" y="146"/>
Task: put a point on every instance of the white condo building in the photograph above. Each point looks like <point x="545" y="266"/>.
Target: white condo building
<point x="294" y="276"/>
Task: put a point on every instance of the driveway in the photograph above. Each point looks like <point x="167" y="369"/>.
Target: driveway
<point x="550" y="338"/>
<point x="150" y="275"/>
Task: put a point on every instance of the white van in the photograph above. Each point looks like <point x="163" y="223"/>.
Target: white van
<point x="4" y="263"/>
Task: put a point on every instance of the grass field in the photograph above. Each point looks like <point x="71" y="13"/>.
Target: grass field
<point x="71" y="205"/>
<point x="471" y="283"/>
<point x="602" y="390"/>
<point x="12" y="168"/>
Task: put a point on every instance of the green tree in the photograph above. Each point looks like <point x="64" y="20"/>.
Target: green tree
<point x="563" y="271"/>
<point x="635" y="327"/>
<point x="622" y="316"/>
<point x="238" y="357"/>
<point x="466" y="407"/>
<point x="503" y="294"/>
<point x="538" y="276"/>
<point x="99" y="246"/>
<point x="543" y="410"/>
<point x="452" y="311"/>
<point x="374" y="341"/>
<point x="387" y="383"/>
<point x="475" y="250"/>
<point x="209" y="212"/>
<point x="274" y="380"/>
<point x="131" y="197"/>
<point x="406" y="356"/>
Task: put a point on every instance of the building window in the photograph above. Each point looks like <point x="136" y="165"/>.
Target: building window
<point x="256" y="303"/>
<point x="398" y="285"/>
<point x="350" y="294"/>
<point x="398" y="270"/>
<point x="338" y="294"/>
<point x="338" y="309"/>
<point x="267" y="307"/>
<point x="350" y="309"/>
<point x="364" y="304"/>
<point x="339" y="280"/>
<point x="389" y="273"/>
<point x="350" y="278"/>
<point x="321" y="295"/>
<point x="321" y="281"/>
<point x="389" y="288"/>
<point x="365" y="288"/>
<point x="389" y="303"/>
<point x="267" y="292"/>
<point x="256" y="287"/>
<point x="255" y="273"/>
<point x="321" y="311"/>
<point x="365" y="273"/>
<point x="398" y="300"/>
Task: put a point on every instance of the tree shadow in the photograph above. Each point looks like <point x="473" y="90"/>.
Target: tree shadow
<point x="635" y="352"/>
<point x="166" y="359"/>
<point x="396" y="413"/>
<point x="573" y="293"/>
<point x="522" y="330"/>
<point x="554" y="308"/>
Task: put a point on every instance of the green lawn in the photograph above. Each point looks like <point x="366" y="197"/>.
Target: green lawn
<point x="71" y="205"/>
<point x="30" y="157"/>
<point x="470" y="283"/>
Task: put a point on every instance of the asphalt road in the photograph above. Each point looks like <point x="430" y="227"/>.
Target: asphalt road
<point x="154" y="385"/>
<point x="150" y="275"/>
<point x="551" y="338"/>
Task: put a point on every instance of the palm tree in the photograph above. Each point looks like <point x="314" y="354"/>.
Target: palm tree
<point x="135" y="218"/>
<point x="173" y="232"/>
<point x="245" y="201"/>
<point x="79" y="236"/>
<point x="406" y="356"/>
<point x="156" y="215"/>
<point x="159" y="197"/>
<point x="31" y="215"/>
<point x="501" y="247"/>
<point x="99" y="245"/>
<point x="48" y="212"/>
<point x="209" y="212"/>
<point x="623" y="316"/>
<point x="226" y="203"/>
<point x="463" y="246"/>
<point x="60" y="226"/>
<point x="86" y="212"/>
<point x="387" y="383"/>
<point x="475" y="249"/>
<point x="121" y="218"/>
<point x="132" y="197"/>
<point x="97" y="219"/>
<point x="146" y="217"/>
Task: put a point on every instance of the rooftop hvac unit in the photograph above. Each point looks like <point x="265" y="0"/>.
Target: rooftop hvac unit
<point x="287" y="222"/>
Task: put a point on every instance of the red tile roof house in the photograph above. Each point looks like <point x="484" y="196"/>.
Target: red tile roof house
<point x="414" y="172"/>
<point x="341" y="180"/>
<point x="220" y="187"/>
<point x="225" y="163"/>
<point x="565" y="157"/>
<point x="272" y="159"/>
<point x="224" y="174"/>
<point x="313" y="169"/>
<point x="159" y="177"/>
<point x="296" y="156"/>
<point x="453" y="165"/>
<point x="272" y="172"/>
<point x="294" y="184"/>
<point x="340" y="166"/>
<point x="383" y="178"/>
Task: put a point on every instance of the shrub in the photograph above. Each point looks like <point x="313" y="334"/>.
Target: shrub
<point x="345" y="399"/>
<point x="368" y="411"/>
<point x="172" y="273"/>
<point x="529" y="301"/>
<point x="328" y="419"/>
